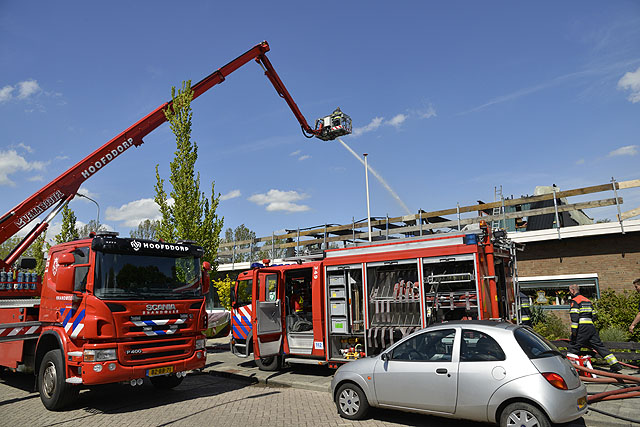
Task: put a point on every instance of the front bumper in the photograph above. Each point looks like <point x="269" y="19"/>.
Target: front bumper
<point x="112" y="371"/>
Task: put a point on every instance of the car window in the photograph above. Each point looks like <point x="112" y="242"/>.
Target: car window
<point x="476" y="346"/>
<point x="534" y="345"/>
<point x="429" y="346"/>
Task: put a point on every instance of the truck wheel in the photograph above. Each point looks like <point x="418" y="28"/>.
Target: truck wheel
<point x="270" y="363"/>
<point x="166" y="382"/>
<point x="523" y="414"/>
<point x="351" y="402"/>
<point x="55" y="393"/>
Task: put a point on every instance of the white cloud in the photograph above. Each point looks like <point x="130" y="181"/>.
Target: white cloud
<point x="5" y="93"/>
<point x="295" y="153"/>
<point x="85" y="192"/>
<point x="631" y="82"/>
<point x="25" y="88"/>
<point x="11" y="162"/>
<point x="373" y="125"/>
<point x="397" y="120"/>
<point x="430" y="112"/>
<point x="36" y="178"/>
<point x="627" y="150"/>
<point x="231" y="195"/>
<point x="277" y="200"/>
<point x="25" y="147"/>
<point x="580" y="162"/>
<point x="305" y="157"/>
<point x="133" y="213"/>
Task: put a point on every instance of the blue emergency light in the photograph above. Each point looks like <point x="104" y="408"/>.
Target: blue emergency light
<point x="470" y="239"/>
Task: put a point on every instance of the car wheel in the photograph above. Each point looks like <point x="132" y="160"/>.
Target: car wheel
<point x="351" y="402"/>
<point x="271" y="363"/>
<point x="54" y="391"/>
<point x="165" y="382"/>
<point x="523" y="414"/>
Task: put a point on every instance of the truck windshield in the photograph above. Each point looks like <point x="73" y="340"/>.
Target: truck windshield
<point x="127" y="276"/>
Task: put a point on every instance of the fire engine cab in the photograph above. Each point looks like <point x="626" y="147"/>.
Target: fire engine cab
<point x="356" y="301"/>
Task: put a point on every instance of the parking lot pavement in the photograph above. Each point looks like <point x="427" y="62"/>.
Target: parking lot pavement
<point x="221" y="362"/>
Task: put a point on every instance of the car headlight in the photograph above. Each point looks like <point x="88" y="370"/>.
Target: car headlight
<point x="201" y="343"/>
<point x="100" y="355"/>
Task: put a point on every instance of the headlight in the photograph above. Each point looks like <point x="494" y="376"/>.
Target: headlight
<point x="201" y="343"/>
<point x="100" y="355"/>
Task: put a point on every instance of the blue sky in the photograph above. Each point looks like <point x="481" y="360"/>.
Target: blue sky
<point x="449" y="99"/>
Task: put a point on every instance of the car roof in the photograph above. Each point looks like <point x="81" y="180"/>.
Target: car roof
<point x="484" y="323"/>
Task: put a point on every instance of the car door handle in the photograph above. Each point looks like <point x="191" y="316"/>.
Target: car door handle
<point x="441" y="371"/>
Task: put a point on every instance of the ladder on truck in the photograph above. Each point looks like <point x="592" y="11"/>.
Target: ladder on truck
<point x="497" y="210"/>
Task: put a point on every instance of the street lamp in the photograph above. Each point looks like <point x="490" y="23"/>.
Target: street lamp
<point x="87" y="197"/>
<point x="366" y="178"/>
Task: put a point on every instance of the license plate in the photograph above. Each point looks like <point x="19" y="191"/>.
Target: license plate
<point x="159" y="371"/>
<point x="582" y="402"/>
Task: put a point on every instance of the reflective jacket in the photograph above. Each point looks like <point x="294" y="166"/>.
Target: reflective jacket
<point x="581" y="311"/>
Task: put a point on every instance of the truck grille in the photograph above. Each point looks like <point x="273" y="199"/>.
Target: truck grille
<point x="155" y="349"/>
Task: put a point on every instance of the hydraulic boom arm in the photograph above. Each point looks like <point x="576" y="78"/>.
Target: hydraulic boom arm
<point x="61" y="190"/>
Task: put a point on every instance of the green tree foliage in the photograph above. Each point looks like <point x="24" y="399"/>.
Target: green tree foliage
<point x="68" y="231"/>
<point x="147" y="229"/>
<point x="191" y="216"/>
<point x="35" y="250"/>
<point x="617" y="310"/>
<point x="223" y="286"/>
<point x="92" y="227"/>
<point x="276" y="253"/>
<point x="238" y="234"/>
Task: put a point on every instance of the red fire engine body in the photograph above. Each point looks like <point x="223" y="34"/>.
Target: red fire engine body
<point x="358" y="300"/>
<point x="112" y="309"/>
<point x="109" y="310"/>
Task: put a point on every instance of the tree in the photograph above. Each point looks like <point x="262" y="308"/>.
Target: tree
<point x="223" y="286"/>
<point x="192" y="216"/>
<point x="37" y="251"/>
<point x="240" y="233"/>
<point x="68" y="231"/>
<point x="92" y="227"/>
<point x="147" y="229"/>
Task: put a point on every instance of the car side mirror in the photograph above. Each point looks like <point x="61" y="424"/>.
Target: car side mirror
<point x="385" y="357"/>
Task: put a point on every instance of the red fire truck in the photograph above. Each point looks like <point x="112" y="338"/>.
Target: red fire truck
<point x="356" y="301"/>
<point x="113" y="309"/>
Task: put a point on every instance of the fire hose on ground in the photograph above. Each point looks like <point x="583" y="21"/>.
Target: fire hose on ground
<point x="630" y="388"/>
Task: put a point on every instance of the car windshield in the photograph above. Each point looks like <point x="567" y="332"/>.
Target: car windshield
<point x="534" y="345"/>
<point x="137" y="277"/>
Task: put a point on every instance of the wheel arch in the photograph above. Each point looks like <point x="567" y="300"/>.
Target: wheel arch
<point x="49" y="340"/>
<point x="367" y="392"/>
<point x="508" y="402"/>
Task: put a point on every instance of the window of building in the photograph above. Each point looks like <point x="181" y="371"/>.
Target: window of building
<point x="553" y="291"/>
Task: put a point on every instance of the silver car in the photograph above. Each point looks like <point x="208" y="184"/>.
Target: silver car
<point x="476" y="370"/>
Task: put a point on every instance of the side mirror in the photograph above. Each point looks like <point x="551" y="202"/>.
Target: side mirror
<point x="27" y="263"/>
<point x="385" y="357"/>
<point x="206" y="282"/>
<point x="66" y="259"/>
<point x="232" y="297"/>
<point x="65" y="278"/>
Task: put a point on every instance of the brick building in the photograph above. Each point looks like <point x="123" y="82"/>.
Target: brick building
<point x="596" y="256"/>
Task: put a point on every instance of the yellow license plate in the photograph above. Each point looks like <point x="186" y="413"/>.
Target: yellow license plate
<point x="159" y="371"/>
<point x="582" y="402"/>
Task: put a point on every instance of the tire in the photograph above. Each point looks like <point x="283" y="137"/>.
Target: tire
<point x="166" y="382"/>
<point x="270" y="363"/>
<point x="523" y="414"/>
<point x="54" y="391"/>
<point x="351" y="402"/>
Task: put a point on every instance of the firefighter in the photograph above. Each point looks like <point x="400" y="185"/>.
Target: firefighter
<point x="298" y="300"/>
<point x="583" y="332"/>
<point x="525" y="309"/>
